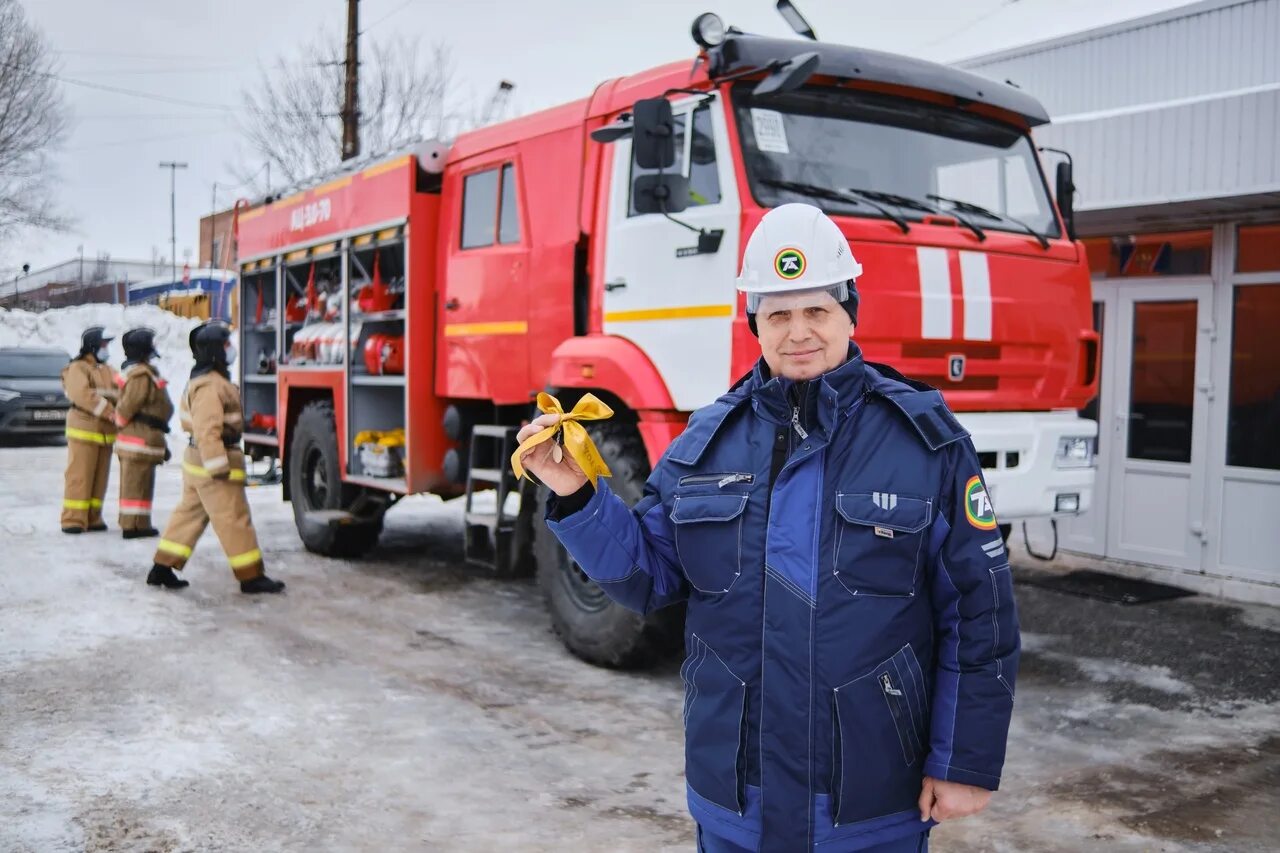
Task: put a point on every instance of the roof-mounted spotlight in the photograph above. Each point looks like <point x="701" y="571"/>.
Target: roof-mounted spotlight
<point x="708" y="30"/>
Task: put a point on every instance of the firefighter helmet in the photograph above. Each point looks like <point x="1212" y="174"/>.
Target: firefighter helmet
<point x="139" y="344"/>
<point x="93" y="339"/>
<point x="209" y="343"/>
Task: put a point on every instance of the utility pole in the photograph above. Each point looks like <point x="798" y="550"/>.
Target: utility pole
<point x="213" y="223"/>
<point x="351" y="99"/>
<point x="173" y="213"/>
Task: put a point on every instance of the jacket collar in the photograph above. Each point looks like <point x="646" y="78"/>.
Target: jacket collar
<point x="836" y="392"/>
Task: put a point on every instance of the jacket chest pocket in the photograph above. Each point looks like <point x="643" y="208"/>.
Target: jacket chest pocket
<point x="708" y="532"/>
<point x="880" y="540"/>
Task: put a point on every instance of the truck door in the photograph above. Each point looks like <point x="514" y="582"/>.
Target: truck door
<point x="485" y="309"/>
<point x="676" y="305"/>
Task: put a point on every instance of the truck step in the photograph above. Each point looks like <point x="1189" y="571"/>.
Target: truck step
<point x="489" y="475"/>
<point x="494" y="430"/>
<point x="332" y="517"/>
<point x="489" y="520"/>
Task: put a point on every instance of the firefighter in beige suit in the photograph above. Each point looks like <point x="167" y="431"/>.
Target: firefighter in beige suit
<point x="90" y="385"/>
<point x="142" y="414"/>
<point x="213" y="471"/>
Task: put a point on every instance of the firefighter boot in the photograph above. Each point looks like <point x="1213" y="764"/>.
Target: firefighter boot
<point x="73" y="530"/>
<point x="164" y="576"/>
<point x="140" y="533"/>
<point x="261" y="583"/>
<point x="98" y="527"/>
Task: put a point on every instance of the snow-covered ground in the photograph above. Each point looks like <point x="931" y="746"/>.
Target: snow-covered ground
<point x="407" y="702"/>
<point x="61" y="328"/>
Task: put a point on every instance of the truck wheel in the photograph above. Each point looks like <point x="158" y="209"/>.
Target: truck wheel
<point x="315" y="481"/>
<point x="592" y="625"/>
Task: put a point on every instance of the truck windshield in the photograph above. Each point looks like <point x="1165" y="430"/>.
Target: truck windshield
<point x="911" y="157"/>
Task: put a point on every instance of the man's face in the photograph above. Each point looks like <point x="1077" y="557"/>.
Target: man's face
<point x="803" y="335"/>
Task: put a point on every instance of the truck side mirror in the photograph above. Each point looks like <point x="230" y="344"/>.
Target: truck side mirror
<point x="1065" y="191"/>
<point x="653" y="141"/>
<point x="664" y="192"/>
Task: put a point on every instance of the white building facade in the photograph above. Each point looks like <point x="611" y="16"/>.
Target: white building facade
<point x="1173" y="124"/>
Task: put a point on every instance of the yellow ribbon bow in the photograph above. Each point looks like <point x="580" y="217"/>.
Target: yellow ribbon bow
<point x="576" y="440"/>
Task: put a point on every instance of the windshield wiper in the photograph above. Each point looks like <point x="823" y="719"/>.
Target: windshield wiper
<point x="815" y="191"/>
<point x="970" y="207"/>
<point x="917" y="204"/>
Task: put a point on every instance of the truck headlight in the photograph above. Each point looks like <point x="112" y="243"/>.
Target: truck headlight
<point x="1074" y="453"/>
<point x="7" y="394"/>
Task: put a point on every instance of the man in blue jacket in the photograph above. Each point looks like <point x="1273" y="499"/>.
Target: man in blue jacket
<point x="852" y="641"/>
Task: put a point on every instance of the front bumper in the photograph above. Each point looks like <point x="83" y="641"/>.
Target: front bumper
<point x="1018" y="449"/>
<point x="18" y="418"/>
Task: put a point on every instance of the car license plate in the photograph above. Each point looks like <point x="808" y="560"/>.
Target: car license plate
<point x="48" y="414"/>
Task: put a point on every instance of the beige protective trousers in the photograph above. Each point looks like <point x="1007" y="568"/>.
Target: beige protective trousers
<point x="88" y="469"/>
<point x="206" y="500"/>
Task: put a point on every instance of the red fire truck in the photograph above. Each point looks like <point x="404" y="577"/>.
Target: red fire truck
<point x="398" y="318"/>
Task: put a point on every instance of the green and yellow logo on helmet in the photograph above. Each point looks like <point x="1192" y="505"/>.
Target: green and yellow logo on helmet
<point x="789" y="264"/>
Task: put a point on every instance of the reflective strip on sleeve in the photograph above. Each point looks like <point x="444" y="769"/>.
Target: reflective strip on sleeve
<point x="198" y="471"/>
<point x="68" y="503"/>
<point x="101" y="407"/>
<point x="248" y="558"/>
<point x="215" y="462"/>
<point x="175" y="548"/>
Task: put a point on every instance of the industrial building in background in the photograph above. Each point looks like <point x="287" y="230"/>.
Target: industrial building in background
<point x="1172" y="121"/>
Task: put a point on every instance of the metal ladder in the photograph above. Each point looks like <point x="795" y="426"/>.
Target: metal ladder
<point x="490" y="536"/>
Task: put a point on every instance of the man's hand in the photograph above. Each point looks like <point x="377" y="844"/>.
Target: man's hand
<point x="564" y="477"/>
<point x="950" y="800"/>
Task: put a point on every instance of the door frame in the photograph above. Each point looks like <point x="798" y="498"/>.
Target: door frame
<point x="1128" y="293"/>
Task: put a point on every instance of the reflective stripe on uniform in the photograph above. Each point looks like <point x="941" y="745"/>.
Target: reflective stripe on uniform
<point x="95" y="503"/>
<point x="176" y="548"/>
<point x="89" y="436"/>
<point x="135" y="507"/>
<point x="68" y="503"/>
<point x="199" y="471"/>
<point x="248" y="558"/>
<point x="135" y="444"/>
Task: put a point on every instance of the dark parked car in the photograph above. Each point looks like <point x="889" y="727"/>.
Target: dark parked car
<point x="31" y="398"/>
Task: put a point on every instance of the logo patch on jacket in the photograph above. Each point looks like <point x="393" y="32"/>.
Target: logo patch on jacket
<point x="977" y="505"/>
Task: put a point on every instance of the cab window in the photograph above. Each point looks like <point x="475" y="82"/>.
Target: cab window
<point x="695" y="159"/>
<point x="490" y="208"/>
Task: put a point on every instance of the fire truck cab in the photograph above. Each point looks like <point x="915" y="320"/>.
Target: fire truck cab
<point x="398" y="318"/>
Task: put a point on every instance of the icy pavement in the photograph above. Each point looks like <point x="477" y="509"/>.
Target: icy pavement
<point x="405" y="702"/>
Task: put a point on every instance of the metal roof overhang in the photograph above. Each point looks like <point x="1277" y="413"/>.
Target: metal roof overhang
<point x="740" y="52"/>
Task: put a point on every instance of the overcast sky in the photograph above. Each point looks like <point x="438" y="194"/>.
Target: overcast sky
<point x="553" y="50"/>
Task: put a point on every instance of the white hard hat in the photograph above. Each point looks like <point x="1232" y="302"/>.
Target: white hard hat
<point x="796" y="247"/>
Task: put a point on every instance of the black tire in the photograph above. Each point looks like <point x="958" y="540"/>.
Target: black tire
<point x="592" y="626"/>
<point x="315" y="483"/>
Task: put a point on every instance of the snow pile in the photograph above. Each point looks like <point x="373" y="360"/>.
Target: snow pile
<point x="61" y="328"/>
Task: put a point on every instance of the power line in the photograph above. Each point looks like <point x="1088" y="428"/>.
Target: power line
<point x="394" y="11"/>
<point x="134" y="93"/>
<point x="947" y="36"/>
<point x="142" y="139"/>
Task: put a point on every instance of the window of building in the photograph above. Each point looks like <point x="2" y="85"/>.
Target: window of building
<point x="1162" y="385"/>
<point x="479" y="209"/>
<point x="509" y="221"/>
<point x="704" y="178"/>
<point x="1253" y="415"/>
<point x="1258" y="248"/>
<point x="1143" y="255"/>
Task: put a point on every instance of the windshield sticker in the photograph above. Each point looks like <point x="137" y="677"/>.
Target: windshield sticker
<point x="771" y="133"/>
